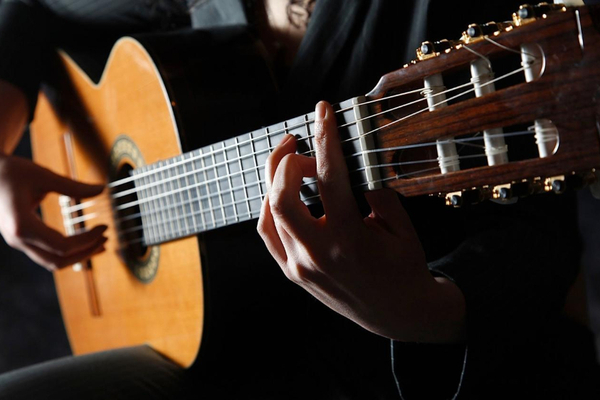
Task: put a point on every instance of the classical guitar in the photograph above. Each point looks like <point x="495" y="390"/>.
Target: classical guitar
<point x="506" y="111"/>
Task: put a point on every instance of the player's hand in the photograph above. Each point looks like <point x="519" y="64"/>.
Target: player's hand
<point x="23" y="185"/>
<point x="371" y="270"/>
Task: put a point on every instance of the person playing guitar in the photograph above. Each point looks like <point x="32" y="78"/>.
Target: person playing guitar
<point x="472" y="291"/>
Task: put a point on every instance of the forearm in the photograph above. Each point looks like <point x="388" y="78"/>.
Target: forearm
<point x="14" y="114"/>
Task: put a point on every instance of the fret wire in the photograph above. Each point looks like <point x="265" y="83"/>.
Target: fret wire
<point x="256" y="167"/>
<point x="218" y="184"/>
<point x="235" y="214"/>
<point x="269" y="146"/>
<point x="156" y="231"/>
<point x="207" y="186"/>
<point x="169" y="214"/>
<point x="177" y="196"/>
<point x="163" y="200"/>
<point x="172" y="198"/>
<point x="189" y="194"/>
<point x="197" y="187"/>
<point x="311" y="145"/>
<point x="243" y="176"/>
<point x="144" y="217"/>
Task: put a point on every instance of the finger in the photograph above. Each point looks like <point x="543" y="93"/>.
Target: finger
<point x="387" y="211"/>
<point x="52" y="182"/>
<point x="41" y="235"/>
<point x="286" y="146"/>
<point x="268" y="232"/>
<point x="332" y="173"/>
<point x="53" y="262"/>
<point x="286" y="206"/>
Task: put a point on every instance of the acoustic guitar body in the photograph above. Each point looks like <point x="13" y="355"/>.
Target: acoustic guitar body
<point x="153" y="91"/>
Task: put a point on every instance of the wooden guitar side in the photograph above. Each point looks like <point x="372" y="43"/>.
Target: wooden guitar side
<point x="130" y="100"/>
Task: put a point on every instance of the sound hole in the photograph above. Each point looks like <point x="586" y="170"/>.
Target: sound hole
<point x="141" y="260"/>
<point x="129" y="217"/>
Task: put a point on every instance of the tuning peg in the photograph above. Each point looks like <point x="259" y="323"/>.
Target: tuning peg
<point x="556" y="184"/>
<point x="470" y="196"/>
<point x="527" y="13"/>
<point x="454" y="199"/>
<point x="502" y="192"/>
<point x="430" y="49"/>
<point x="477" y="31"/>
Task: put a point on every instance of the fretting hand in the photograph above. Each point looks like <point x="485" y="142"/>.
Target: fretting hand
<point x="24" y="184"/>
<point x="371" y="270"/>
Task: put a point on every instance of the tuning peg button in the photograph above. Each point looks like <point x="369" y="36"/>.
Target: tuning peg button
<point x="559" y="186"/>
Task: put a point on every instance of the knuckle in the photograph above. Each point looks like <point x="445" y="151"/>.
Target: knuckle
<point x="260" y="227"/>
<point x="280" y="206"/>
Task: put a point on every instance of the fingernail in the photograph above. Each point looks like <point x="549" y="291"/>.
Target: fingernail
<point x="320" y="111"/>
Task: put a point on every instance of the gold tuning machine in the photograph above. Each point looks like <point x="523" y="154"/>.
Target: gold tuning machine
<point x="467" y="196"/>
<point x="433" y="49"/>
<point x="477" y="32"/>
<point x="556" y="184"/>
<point x="528" y="13"/>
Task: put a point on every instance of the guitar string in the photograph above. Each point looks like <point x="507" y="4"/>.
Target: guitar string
<point x="286" y="129"/>
<point x="267" y="135"/>
<point x="250" y="214"/>
<point x="230" y="192"/>
<point x="212" y="168"/>
<point x="178" y="233"/>
<point x="88" y="204"/>
<point x="221" y="151"/>
<point x="221" y="209"/>
<point x="138" y="176"/>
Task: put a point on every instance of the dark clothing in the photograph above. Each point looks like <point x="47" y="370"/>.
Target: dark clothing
<point x="505" y="259"/>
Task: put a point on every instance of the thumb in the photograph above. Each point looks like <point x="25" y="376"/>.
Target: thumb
<point x="387" y="211"/>
<point x="69" y="187"/>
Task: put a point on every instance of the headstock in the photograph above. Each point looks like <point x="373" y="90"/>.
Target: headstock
<point x="507" y="110"/>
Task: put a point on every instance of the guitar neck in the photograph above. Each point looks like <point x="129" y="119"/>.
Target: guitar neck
<point x="225" y="183"/>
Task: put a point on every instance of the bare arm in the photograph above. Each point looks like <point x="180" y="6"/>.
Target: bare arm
<point x="371" y="270"/>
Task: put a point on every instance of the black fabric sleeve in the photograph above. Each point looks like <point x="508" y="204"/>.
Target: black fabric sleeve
<point x="514" y="269"/>
<point x="24" y="45"/>
<point x="31" y="29"/>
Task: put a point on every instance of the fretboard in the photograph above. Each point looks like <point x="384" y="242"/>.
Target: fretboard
<point x="224" y="183"/>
